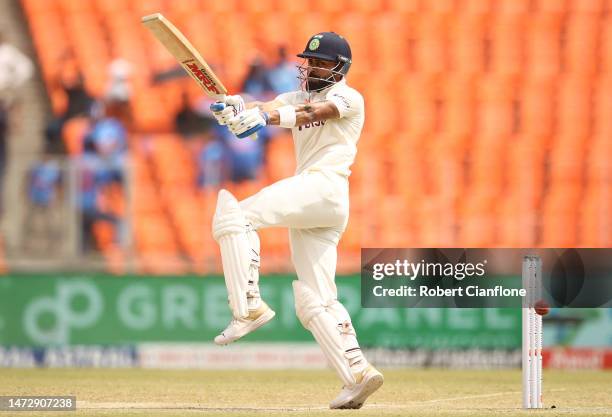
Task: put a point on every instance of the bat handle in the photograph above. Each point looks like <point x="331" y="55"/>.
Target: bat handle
<point x="220" y="105"/>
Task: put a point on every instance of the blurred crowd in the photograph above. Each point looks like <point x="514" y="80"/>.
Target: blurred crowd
<point x="102" y="145"/>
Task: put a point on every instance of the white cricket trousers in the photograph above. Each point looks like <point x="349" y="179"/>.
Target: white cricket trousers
<point x="314" y="206"/>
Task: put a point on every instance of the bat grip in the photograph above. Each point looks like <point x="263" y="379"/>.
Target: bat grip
<point x="218" y="106"/>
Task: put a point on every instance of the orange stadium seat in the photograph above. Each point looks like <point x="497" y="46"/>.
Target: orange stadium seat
<point x="222" y="8"/>
<point x="559" y="229"/>
<point x="517" y="222"/>
<point x="329" y="7"/>
<point x="404" y="6"/>
<point x="149" y="113"/>
<point x="478" y="221"/>
<point x="508" y="41"/>
<point x="310" y="23"/>
<point x="256" y="8"/>
<point x="550" y="6"/>
<point x="566" y="166"/>
<point x="33" y="7"/>
<point x="475" y="6"/>
<point x="186" y="7"/>
<point x="419" y="94"/>
<point x="512" y="7"/>
<point x="393" y="227"/>
<point x="145" y="200"/>
<point x="440" y="7"/>
<point x="76" y="6"/>
<point x="536" y="101"/>
<point x="431" y="43"/>
<point x="595" y="225"/>
<point x="145" y="7"/>
<point x="486" y="167"/>
<point x="525" y="172"/>
<point x="292" y="8"/>
<point x="459" y="104"/>
<point x="271" y="30"/>
<point x="581" y="44"/>
<point x="367" y="7"/>
<point x="575" y="106"/>
<point x="467" y="43"/>
<point x="355" y="27"/>
<point x="598" y="163"/>
<point x="380" y="119"/>
<point x="496" y="115"/>
<point x="586" y="6"/>
<point x="388" y="33"/>
<point x="111" y="7"/>
<point x="543" y="49"/>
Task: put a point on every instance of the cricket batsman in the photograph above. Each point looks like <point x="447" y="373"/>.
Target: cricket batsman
<point x="326" y="118"/>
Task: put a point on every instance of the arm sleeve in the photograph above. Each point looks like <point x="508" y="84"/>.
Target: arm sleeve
<point x="349" y="102"/>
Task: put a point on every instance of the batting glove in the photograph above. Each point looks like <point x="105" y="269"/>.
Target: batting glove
<point x="223" y="111"/>
<point x="248" y="122"/>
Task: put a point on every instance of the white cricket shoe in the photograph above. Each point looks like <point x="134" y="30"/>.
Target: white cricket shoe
<point x="367" y="382"/>
<point x="243" y="326"/>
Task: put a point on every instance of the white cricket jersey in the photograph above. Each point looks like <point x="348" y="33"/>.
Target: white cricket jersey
<point x="329" y="144"/>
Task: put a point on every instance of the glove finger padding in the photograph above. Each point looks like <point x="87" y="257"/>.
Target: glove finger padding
<point x="235" y="101"/>
<point x="246" y="123"/>
<point x="225" y="113"/>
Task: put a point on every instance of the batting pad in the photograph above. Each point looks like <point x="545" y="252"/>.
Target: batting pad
<point x="324" y="328"/>
<point x="230" y="231"/>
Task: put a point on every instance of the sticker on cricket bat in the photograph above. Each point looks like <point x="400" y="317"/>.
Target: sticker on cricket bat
<point x="184" y="52"/>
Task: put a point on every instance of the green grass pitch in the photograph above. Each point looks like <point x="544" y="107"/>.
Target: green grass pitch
<point x="435" y="392"/>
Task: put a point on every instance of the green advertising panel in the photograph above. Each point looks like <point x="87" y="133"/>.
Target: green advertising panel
<point x="83" y="310"/>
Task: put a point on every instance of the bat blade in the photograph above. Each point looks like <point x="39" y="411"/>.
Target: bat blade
<point x="183" y="51"/>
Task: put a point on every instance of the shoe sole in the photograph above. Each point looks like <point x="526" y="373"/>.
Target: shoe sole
<point x="257" y="323"/>
<point x="372" y="384"/>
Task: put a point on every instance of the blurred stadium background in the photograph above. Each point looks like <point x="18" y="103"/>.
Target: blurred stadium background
<point x="488" y="124"/>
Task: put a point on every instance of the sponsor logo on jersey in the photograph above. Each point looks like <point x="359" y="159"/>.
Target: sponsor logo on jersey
<point x="313" y="124"/>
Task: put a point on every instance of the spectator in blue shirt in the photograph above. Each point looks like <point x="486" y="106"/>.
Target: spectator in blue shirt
<point x="283" y="77"/>
<point x="257" y="82"/>
<point x="42" y="223"/>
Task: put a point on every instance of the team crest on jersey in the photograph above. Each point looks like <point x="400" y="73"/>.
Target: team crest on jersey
<point x="314" y="44"/>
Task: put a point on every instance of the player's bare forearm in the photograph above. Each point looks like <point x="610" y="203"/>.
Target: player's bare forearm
<point x="267" y="106"/>
<point x="308" y="113"/>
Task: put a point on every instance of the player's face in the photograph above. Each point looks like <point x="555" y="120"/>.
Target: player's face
<point x="320" y="68"/>
<point x="321" y="73"/>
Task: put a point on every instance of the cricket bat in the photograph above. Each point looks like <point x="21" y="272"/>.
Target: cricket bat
<point x="190" y="59"/>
